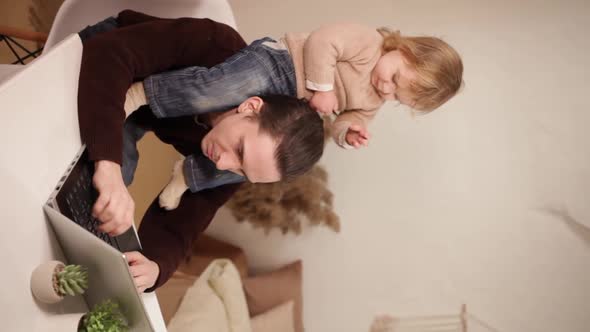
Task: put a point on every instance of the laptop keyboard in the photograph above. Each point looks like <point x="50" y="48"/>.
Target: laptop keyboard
<point x="80" y="200"/>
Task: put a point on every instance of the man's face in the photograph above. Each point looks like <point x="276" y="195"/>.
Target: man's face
<point x="235" y="144"/>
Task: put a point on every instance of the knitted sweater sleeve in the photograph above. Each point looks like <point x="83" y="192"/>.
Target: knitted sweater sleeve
<point x="113" y="60"/>
<point x="343" y="42"/>
<point x="167" y="236"/>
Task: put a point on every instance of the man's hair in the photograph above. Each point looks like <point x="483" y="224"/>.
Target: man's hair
<point x="299" y="130"/>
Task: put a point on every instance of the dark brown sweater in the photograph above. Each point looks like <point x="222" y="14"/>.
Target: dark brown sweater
<point x="145" y="45"/>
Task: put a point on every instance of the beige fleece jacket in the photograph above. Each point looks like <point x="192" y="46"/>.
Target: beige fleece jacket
<point x="339" y="57"/>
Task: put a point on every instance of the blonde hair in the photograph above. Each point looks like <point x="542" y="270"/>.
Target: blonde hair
<point x="438" y="67"/>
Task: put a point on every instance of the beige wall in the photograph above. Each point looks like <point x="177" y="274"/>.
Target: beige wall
<point x="481" y="202"/>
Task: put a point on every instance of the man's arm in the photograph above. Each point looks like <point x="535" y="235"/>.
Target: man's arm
<point x="113" y="60"/>
<point x="167" y="236"/>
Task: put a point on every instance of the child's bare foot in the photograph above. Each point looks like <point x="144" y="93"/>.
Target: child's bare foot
<point x="170" y="196"/>
<point x="382" y="323"/>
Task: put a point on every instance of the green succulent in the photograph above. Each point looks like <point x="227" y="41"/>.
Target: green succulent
<point x="104" y="317"/>
<point x="72" y="280"/>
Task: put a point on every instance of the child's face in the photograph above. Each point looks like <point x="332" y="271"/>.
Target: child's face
<point x="392" y="77"/>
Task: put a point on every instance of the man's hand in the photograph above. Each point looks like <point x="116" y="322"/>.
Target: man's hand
<point x="144" y="271"/>
<point x="114" y="206"/>
<point x="357" y="136"/>
<point x="324" y="102"/>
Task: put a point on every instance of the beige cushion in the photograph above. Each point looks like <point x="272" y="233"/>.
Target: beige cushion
<point x="205" y="250"/>
<point x="278" y="319"/>
<point x="171" y="293"/>
<point x="214" y="303"/>
<point x="269" y="290"/>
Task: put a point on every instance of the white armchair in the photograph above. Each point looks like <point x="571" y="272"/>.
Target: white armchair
<point x="74" y="15"/>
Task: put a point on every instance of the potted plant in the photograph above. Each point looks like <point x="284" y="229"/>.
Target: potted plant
<point x="104" y="317"/>
<point x="53" y="280"/>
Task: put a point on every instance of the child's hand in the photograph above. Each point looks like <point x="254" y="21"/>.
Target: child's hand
<point x="357" y="136"/>
<point x="324" y="102"/>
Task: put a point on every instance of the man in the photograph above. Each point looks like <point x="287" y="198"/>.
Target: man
<point x="265" y="139"/>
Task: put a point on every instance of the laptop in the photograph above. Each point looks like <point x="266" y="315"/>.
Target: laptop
<point x="69" y="211"/>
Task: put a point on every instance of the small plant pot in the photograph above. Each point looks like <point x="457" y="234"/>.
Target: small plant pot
<point x="43" y="281"/>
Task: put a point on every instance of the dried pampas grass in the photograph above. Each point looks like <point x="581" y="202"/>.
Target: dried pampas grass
<point x="286" y="205"/>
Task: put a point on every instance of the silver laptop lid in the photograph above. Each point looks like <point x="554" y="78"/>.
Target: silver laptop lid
<point x="109" y="276"/>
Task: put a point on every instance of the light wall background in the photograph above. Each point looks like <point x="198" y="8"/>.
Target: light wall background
<point x="482" y="202"/>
